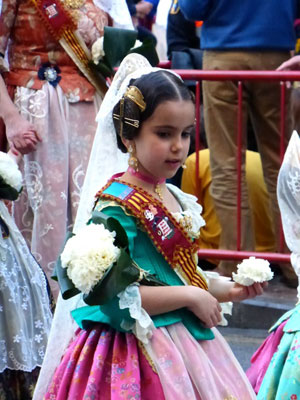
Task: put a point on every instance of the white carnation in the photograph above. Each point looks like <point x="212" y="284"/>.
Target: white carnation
<point x="88" y="255"/>
<point x="252" y="270"/>
<point x="98" y="50"/>
<point x="10" y="172"/>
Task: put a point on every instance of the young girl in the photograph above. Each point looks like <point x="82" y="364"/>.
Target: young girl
<point x="153" y="342"/>
<point x="274" y="372"/>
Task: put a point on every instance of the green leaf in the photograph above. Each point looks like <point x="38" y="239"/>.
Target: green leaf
<point x="8" y="192"/>
<point x="117" y="42"/>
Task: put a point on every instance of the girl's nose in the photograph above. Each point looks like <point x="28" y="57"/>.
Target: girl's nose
<point x="177" y="144"/>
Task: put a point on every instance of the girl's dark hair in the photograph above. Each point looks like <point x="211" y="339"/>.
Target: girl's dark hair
<point x="156" y="87"/>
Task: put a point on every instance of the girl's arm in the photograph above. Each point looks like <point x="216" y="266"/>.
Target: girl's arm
<point x="159" y="300"/>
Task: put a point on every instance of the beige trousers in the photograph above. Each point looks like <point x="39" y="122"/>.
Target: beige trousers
<point x="261" y="102"/>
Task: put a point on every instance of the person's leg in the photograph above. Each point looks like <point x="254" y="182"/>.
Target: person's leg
<point x="220" y="119"/>
<point x="265" y="114"/>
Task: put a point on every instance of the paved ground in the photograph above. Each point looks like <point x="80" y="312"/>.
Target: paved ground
<point x="243" y="342"/>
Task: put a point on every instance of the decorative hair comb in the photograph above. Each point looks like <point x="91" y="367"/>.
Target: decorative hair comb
<point x="134" y="94"/>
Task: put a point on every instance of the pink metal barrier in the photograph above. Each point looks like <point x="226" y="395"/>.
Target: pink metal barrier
<point x="239" y="77"/>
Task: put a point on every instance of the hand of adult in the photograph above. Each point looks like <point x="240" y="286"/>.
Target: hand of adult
<point x="291" y="64"/>
<point x="143" y="8"/>
<point x="21" y="135"/>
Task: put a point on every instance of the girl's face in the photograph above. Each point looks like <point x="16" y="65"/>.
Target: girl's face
<point x="164" y="139"/>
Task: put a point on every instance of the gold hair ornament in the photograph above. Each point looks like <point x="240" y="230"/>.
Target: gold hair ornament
<point x="134" y="94"/>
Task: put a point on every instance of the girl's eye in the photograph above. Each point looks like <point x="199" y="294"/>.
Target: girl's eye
<point x="186" y="134"/>
<point x="163" y="135"/>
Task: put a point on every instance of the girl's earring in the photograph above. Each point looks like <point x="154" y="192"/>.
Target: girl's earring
<point x="183" y="166"/>
<point x="133" y="161"/>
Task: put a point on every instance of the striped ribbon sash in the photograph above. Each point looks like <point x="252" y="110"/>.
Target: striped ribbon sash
<point x="169" y="237"/>
<point x="62" y="27"/>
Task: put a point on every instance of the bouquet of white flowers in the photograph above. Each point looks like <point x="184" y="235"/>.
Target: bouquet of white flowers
<point x="96" y="262"/>
<point x="252" y="270"/>
<point x="109" y="50"/>
<point x="10" y="178"/>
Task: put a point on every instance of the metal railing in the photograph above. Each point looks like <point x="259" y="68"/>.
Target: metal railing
<point x="240" y="76"/>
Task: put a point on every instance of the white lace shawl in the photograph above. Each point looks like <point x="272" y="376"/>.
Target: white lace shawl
<point x="288" y="194"/>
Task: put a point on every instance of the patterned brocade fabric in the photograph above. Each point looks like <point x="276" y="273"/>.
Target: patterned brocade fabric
<point x="32" y="45"/>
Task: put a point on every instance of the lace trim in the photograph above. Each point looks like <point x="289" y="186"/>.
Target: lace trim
<point x="143" y="326"/>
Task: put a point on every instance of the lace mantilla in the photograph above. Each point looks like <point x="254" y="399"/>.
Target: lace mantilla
<point x="25" y="315"/>
<point x="288" y="194"/>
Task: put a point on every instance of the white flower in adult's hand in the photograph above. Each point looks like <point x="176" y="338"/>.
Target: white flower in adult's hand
<point x="252" y="270"/>
<point x="9" y="171"/>
<point x="98" y="50"/>
<point x="88" y="255"/>
<point x="137" y="43"/>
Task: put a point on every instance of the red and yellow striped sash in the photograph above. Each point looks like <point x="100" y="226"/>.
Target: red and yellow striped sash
<point x="168" y="236"/>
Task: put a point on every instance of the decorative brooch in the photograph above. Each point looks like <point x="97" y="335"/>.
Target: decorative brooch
<point x="50" y="73"/>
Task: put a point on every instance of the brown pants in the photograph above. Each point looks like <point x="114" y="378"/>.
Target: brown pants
<point x="261" y="102"/>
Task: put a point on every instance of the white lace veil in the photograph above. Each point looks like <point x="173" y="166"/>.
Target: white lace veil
<point x="288" y="194"/>
<point x="105" y="160"/>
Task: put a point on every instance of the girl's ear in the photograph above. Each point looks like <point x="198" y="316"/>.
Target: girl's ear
<point x="127" y="143"/>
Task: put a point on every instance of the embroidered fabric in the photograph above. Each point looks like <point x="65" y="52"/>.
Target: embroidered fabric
<point x="143" y="326"/>
<point x="25" y="316"/>
<point x="288" y="194"/>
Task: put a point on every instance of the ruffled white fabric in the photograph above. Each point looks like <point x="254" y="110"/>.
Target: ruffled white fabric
<point x="191" y="208"/>
<point x="288" y="194"/>
<point x="25" y="316"/>
<point x="143" y="326"/>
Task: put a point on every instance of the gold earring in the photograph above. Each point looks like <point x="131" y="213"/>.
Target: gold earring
<point x="133" y="161"/>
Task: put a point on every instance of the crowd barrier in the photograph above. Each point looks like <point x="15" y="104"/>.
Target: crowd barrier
<point x="282" y="78"/>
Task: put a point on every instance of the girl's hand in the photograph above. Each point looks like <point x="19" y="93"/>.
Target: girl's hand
<point x="204" y="306"/>
<point x="239" y="292"/>
<point x="21" y="134"/>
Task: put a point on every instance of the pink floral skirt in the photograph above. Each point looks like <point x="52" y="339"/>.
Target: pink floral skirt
<point x="103" y="364"/>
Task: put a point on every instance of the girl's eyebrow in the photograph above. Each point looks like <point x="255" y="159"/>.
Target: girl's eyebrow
<point x="173" y="126"/>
